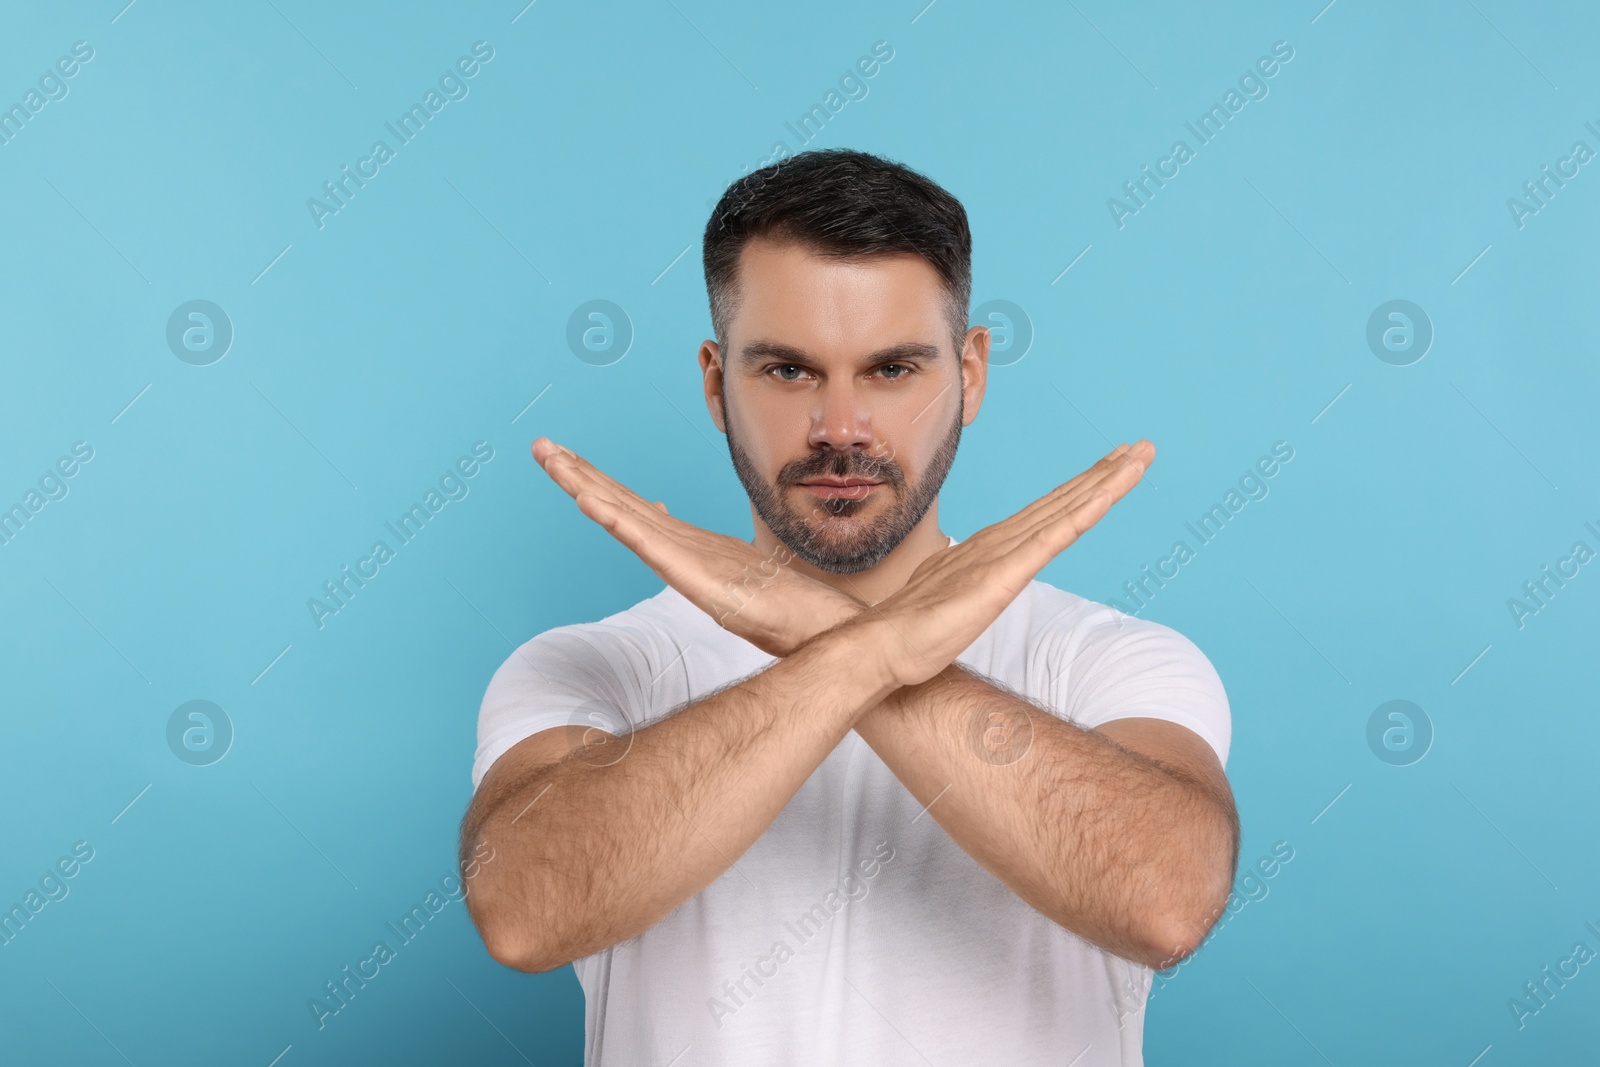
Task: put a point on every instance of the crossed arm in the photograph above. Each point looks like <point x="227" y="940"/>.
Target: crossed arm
<point x="1126" y="834"/>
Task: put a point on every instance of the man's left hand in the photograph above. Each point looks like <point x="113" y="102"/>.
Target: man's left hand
<point x="746" y="592"/>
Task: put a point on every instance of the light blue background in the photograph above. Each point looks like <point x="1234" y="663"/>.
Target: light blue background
<point x="1228" y="314"/>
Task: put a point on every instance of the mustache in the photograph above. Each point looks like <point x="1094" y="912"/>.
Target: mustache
<point x="843" y="464"/>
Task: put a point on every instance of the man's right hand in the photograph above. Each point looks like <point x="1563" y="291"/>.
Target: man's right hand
<point x="956" y="593"/>
<point x="749" y="593"/>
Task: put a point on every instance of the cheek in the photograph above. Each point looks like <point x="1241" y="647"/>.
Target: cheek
<point x="770" y="428"/>
<point x="916" y="434"/>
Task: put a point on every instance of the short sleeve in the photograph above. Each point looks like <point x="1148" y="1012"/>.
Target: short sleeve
<point x="572" y="675"/>
<point x="1117" y="666"/>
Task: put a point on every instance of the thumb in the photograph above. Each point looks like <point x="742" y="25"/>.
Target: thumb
<point x="662" y="504"/>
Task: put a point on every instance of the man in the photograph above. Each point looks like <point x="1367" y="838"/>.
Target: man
<point x="852" y="792"/>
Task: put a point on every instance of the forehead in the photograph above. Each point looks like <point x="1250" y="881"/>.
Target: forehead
<point x="824" y="303"/>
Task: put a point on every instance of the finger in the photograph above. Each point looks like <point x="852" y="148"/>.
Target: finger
<point x="574" y="475"/>
<point x="1077" y="513"/>
<point x="543" y="448"/>
<point x="1051" y="530"/>
<point x="646" y="529"/>
<point x="623" y="513"/>
<point x="1008" y="533"/>
<point x="1055" y="538"/>
<point x="1124" y="472"/>
<point x="1073" y="487"/>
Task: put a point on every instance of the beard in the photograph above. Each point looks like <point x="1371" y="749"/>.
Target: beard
<point x="831" y="535"/>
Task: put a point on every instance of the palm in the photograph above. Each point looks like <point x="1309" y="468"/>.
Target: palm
<point x="748" y="592"/>
<point x="954" y="594"/>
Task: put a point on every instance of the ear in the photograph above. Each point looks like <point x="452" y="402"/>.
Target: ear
<point x="974" y="372"/>
<point x="711" y="381"/>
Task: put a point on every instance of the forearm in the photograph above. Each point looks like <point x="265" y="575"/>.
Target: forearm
<point x="594" y="851"/>
<point x="1125" y="852"/>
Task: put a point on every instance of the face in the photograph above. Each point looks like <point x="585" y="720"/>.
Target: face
<point x="841" y="397"/>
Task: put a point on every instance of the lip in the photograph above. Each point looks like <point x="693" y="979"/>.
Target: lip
<point x="840" y="488"/>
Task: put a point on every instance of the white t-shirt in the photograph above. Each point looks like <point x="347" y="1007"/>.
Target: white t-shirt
<point x="855" y="930"/>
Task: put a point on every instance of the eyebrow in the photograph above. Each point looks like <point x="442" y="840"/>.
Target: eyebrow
<point x="905" y="350"/>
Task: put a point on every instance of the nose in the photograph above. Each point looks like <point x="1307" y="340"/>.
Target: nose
<point x="840" y="419"/>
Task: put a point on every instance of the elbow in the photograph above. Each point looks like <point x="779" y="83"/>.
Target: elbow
<point x="509" y="952"/>
<point x="522" y="960"/>
<point x="510" y="949"/>
<point x="1178" y="934"/>
<point x="1171" y="942"/>
<point x="505" y="937"/>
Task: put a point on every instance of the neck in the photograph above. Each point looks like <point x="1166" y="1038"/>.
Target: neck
<point x="873" y="584"/>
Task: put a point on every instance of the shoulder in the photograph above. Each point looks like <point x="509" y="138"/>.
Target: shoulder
<point x="1102" y="664"/>
<point x="1059" y="615"/>
<point x="620" y="642"/>
<point x="596" y="673"/>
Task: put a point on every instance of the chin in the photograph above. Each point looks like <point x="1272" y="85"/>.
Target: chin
<point x="834" y="565"/>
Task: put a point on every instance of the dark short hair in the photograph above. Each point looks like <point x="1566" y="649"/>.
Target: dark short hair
<point x="844" y="203"/>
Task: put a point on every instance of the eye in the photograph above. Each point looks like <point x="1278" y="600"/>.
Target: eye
<point x="894" y="366"/>
<point x="782" y="367"/>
